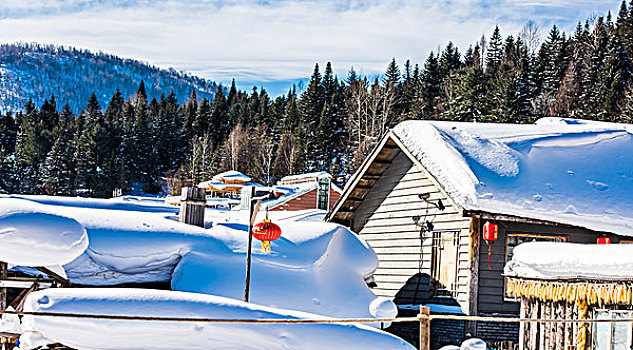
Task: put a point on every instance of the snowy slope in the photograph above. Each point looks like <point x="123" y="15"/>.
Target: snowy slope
<point x="315" y="267"/>
<point x="34" y="72"/>
<point x="97" y="334"/>
<point x="547" y="260"/>
<point x="561" y="170"/>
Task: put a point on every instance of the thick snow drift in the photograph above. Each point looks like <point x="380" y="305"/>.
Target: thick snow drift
<point x="567" y="171"/>
<point x="314" y="267"/>
<point x="31" y="236"/>
<point x="547" y="260"/>
<point x="97" y="334"/>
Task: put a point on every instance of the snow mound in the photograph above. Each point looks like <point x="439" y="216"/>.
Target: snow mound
<point x="314" y="267"/>
<point x="547" y="260"/>
<point x="32" y="237"/>
<point x="561" y="170"/>
<point x="10" y="323"/>
<point x="98" y="334"/>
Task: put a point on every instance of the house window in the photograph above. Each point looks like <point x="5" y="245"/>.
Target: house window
<point x="515" y="239"/>
<point x="323" y="195"/>
<point x="612" y="336"/>
<point x="445" y="261"/>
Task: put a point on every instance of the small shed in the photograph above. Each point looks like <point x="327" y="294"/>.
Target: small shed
<point x="305" y="191"/>
<point x="573" y="281"/>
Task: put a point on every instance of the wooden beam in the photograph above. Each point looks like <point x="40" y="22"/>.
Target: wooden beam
<point x="425" y="328"/>
<point x="473" y="278"/>
<point x="7" y="283"/>
<point x="3" y="290"/>
<point x="59" y="279"/>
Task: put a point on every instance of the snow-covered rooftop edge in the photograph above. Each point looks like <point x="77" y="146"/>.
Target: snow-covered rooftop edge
<point x="556" y="261"/>
<point x="565" y="171"/>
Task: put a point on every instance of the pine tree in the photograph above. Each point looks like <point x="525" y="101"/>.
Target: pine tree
<point x="495" y="52"/>
<point x="58" y="170"/>
<point x="469" y="96"/>
<point x="431" y="85"/>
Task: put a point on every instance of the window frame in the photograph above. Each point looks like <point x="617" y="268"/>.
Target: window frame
<point x="611" y="328"/>
<point x="435" y="246"/>
<point x="323" y="194"/>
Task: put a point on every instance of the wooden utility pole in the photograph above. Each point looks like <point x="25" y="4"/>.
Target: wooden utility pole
<point x="425" y="328"/>
<point x="252" y="215"/>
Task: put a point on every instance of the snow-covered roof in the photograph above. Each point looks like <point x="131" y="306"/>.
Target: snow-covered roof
<point x="314" y="267"/>
<point x="231" y="175"/>
<point x="560" y="170"/>
<point x="319" y="174"/>
<point x="555" y="261"/>
<point x="293" y="191"/>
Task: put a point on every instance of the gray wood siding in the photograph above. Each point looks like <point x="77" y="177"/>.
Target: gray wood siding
<point x="384" y="220"/>
<point x="491" y="281"/>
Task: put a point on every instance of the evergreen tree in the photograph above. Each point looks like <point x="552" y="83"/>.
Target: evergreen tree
<point x="495" y="52"/>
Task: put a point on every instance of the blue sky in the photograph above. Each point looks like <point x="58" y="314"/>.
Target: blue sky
<point x="276" y="42"/>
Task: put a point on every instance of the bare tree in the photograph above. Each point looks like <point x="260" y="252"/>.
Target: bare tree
<point x="234" y="148"/>
<point x="286" y="155"/>
<point x="261" y="149"/>
<point x="531" y="36"/>
<point x="199" y="166"/>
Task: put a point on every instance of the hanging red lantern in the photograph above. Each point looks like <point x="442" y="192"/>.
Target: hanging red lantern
<point x="603" y="239"/>
<point x="266" y="232"/>
<point x="491" y="233"/>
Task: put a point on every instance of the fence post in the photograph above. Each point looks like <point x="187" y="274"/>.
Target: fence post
<point x="425" y="328"/>
<point x="192" y="204"/>
<point x="3" y="291"/>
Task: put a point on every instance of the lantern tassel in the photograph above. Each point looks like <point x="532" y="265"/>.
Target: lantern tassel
<point x="265" y="247"/>
<point x="489" y="257"/>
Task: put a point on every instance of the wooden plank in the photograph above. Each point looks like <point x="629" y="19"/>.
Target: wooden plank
<point x="523" y="326"/>
<point x="407" y="224"/>
<point x="400" y="276"/>
<point x="3" y="290"/>
<point x="6" y="283"/>
<point x="473" y="272"/>
<point x="408" y="210"/>
<point x="192" y="206"/>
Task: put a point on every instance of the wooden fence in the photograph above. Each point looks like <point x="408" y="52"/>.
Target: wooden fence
<point x="424" y="318"/>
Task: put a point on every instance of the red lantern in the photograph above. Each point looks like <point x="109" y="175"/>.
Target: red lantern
<point x="266" y="231"/>
<point x="603" y="239"/>
<point x="491" y="233"/>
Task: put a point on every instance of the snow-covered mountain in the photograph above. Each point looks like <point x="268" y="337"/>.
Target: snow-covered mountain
<point x="34" y="71"/>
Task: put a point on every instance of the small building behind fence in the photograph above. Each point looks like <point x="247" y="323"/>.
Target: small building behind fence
<point x="567" y="281"/>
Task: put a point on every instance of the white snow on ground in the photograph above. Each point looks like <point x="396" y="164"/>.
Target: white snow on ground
<point x="10" y="323"/>
<point x="31" y="235"/>
<point x="546" y="260"/>
<point x="314" y="267"/>
<point x="93" y="334"/>
<point x="562" y="170"/>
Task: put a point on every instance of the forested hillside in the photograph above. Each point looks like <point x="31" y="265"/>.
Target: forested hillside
<point x="34" y="72"/>
<point x="140" y="143"/>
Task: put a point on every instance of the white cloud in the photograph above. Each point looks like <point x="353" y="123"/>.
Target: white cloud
<point x="276" y="39"/>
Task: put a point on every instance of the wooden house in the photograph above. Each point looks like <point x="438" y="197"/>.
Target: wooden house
<point x="585" y="282"/>
<point x="305" y="191"/>
<point x="422" y="197"/>
<point x="226" y="184"/>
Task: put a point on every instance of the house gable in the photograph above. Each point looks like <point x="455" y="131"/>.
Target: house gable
<point x="379" y="205"/>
